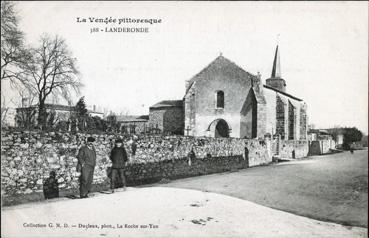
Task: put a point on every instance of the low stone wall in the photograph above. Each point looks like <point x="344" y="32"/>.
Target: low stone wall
<point x="28" y="157"/>
<point x="320" y="147"/>
<point x="294" y="149"/>
<point x="181" y="168"/>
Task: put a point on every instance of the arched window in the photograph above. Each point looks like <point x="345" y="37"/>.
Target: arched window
<point x="220" y="99"/>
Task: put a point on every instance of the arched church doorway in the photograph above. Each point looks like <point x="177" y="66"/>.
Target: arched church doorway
<point x="219" y="128"/>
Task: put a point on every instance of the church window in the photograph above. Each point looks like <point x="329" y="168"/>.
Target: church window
<point x="219" y="99"/>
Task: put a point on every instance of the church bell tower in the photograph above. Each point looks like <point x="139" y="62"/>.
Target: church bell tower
<point x="276" y="81"/>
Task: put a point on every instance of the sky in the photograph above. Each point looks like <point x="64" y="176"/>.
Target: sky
<point x="323" y="48"/>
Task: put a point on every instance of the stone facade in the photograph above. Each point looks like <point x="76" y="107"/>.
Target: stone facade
<point x="133" y="124"/>
<point x="202" y="113"/>
<point x="280" y="117"/>
<point x="167" y="117"/>
<point x="28" y="157"/>
<point x="250" y="109"/>
<point x="303" y="122"/>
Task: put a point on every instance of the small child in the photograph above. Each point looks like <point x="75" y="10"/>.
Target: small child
<point x="51" y="186"/>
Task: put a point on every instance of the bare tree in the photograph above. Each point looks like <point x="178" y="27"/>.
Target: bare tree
<point x="50" y="72"/>
<point x="4" y="111"/>
<point x="13" y="51"/>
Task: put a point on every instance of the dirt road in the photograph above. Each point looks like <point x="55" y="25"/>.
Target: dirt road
<point x="328" y="188"/>
<point x="162" y="212"/>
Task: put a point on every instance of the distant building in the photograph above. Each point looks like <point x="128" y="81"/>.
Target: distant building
<point x="8" y="116"/>
<point x="27" y="116"/>
<point x="319" y="134"/>
<point x="167" y="117"/>
<point x="95" y="111"/>
<point x="133" y="124"/>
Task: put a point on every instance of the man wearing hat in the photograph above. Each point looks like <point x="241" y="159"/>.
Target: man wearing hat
<point x="86" y="165"/>
<point x="118" y="157"/>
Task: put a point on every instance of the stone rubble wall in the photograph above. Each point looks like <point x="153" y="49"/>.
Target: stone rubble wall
<point x="320" y="147"/>
<point x="28" y="157"/>
<point x="287" y="147"/>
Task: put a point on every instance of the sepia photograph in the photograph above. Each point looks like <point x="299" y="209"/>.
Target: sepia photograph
<point x="184" y="119"/>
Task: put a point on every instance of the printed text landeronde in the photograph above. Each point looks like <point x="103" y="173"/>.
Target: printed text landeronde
<point x="132" y="25"/>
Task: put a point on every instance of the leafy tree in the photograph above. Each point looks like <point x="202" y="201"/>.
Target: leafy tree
<point x="96" y="124"/>
<point x="81" y="113"/>
<point x="80" y="108"/>
<point x="352" y="134"/>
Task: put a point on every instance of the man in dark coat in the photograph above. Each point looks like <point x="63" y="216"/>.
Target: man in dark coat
<point x="86" y="165"/>
<point x="118" y="157"/>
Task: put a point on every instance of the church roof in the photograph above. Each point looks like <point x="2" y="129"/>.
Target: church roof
<point x="223" y="63"/>
<point x="168" y="103"/>
<point x="285" y="94"/>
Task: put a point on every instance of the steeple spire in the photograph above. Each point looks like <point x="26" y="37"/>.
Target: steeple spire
<point x="276" y="81"/>
<point x="276" y="71"/>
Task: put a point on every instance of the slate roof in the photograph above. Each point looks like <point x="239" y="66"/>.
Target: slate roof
<point x="60" y="107"/>
<point x="286" y="94"/>
<point x="53" y="106"/>
<point x="131" y="118"/>
<point x="318" y="131"/>
<point x="168" y="103"/>
<point x="221" y="63"/>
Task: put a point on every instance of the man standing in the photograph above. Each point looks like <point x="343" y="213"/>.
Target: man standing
<point x="86" y="165"/>
<point x="118" y="157"/>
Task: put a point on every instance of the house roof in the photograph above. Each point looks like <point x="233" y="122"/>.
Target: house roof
<point x="60" y="107"/>
<point x="318" y="131"/>
<point x="283" y="93"/>
<point x="168" y="103"/>
<point x="91" y="111"/>
<point x="53" y="106"/>
<point x="221" y="62"/>
<point x="131" y="118"/>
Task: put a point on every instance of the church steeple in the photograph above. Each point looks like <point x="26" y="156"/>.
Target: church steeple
<point x="275" y="80"/>
<point x="276" y="71"/>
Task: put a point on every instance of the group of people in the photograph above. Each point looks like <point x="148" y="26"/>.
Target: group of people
<point x="87" y="162"/>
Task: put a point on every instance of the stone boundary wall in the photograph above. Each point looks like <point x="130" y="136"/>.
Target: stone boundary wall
<point x="320" y="147"/>
<point x="181" y="168"/>
<point x="300" y="148"/>
<point x="28" y="157"/>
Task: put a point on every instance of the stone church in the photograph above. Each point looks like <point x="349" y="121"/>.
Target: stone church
<point x="224" y="100"/>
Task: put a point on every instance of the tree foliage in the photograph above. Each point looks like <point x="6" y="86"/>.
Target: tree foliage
<point x="80" y="108"/>
<point x="81" y="113"/>
<point x="352" y="134"/>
